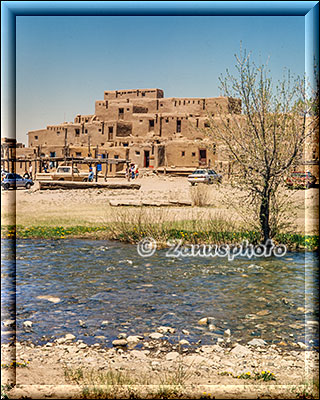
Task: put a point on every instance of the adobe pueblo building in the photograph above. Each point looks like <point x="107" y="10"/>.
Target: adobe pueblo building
<point x="154" y="132"/>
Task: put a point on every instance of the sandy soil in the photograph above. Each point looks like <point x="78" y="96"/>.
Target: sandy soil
<point x="64" y="370"/>
<point x="91" y="206"/>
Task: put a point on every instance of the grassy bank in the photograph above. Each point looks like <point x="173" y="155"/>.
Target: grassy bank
<point x="189" y="232"/>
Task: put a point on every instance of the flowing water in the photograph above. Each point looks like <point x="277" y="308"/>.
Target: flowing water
<point x="272" y="298"/>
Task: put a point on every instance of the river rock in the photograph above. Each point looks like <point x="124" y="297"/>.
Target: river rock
<point x="172" y="356"/>
<point x="82" y="324"/>
<point x="203" y="321"/>
<point x="52" y="299"/>
<point x="212" y="327"/>
<point x="240" y="351"/>
<point x="119" y="342"/>
<point x="134" y="339"/>
<point x="184" y="342"/>
<point x="27" y="324"/>
<point x="69" y="337"/>
<point x="312" y="323"/>
<point x="220" y="340"/>
<point x="227" y="333"/>
<point x="104" y="323"/>
<point x="138" y="354"/>
<point x="82" y="346"/>
<point x="257" y="342"/>
<point x="217" y="348"/>
<point x="122" y="335"/>
<point x="155" y="335"/>
<point x="60" y="340"/>
<point x="9" y="322"/>
<point x="263" y="312"/>
<point x="185" y="332"/>
<point x="165" y="329"/>
<point x="302" y="345"/>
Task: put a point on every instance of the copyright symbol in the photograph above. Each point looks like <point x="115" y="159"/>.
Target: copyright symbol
<point x="146" y="247"/>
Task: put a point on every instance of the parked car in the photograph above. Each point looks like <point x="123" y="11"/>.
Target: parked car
<point x="204" y="175"/>
<point x="64" y="173"/>
<point x="15" y="181"/>
<point x="300" y="180"/>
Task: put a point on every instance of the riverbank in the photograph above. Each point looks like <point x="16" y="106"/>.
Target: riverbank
<point x="89" y="214"/>
<point x="155" y="368"/>
<point x="188" y="232"/>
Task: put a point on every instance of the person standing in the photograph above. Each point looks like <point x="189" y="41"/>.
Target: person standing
<point x="30" y="171"/>
<point x="91" y="175"/>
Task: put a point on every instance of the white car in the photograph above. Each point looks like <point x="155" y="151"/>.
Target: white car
<point x="204" y="175"/>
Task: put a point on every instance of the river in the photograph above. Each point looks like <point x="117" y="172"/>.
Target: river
<point x="272" y="298"/>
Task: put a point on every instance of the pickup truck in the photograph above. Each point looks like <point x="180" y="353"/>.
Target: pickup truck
<point x="64" y="173"/>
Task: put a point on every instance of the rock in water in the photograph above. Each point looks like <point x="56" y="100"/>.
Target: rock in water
<point x="52" y="299"/>
<point x="9" y="322"/>
<point x="227" y="333"/>
<point x="68" y="337"/>
<point x="155" y="335"/>
<point x="165" y="329"/>
<point x="27" y="324"/>
<point x="134" y="339"/>
<point x="120" y="342"/>
<point x="203" y="321"/>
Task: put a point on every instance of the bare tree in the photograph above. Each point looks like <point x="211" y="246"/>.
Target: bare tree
<point x="266" y="138"/>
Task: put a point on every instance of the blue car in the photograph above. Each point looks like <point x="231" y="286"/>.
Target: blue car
<point x="15" y="181"/>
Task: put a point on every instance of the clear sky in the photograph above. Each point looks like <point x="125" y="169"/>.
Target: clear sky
<point x="65" y="63"/>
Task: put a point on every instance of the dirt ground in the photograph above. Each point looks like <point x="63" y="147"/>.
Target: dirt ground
<point x="226" y="371"/>
<point x="92" y="206"/>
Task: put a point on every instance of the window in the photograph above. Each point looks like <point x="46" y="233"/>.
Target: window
<point x="116" y="156"/>
<point x="137" y="153"/>
<point x="125" y="144"/>
<point x="58" y="132"/>
<point x="214" y="148"/>
<point x="77" y="132"/>
<point x="78" y="154"/>
<point x="52" y="153"/>
<point x="167" y="120"/>
<point x="86" y="131"/>
<point x="100" y="129"/>
<point x="206" y="125"/>
<point x="193" y="154"/>
<point x="151" y="125"/>
<point x="36" y="137"/>
<point x="102" y="144"/>
<point x="110" y="133"/>
<point x="143" y="94"/>
<point x="178" y="126"/>
<point x="121" y="112"/>
<point x="183" y="153"/>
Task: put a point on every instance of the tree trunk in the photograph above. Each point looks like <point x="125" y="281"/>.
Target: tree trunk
<point x="264" y="216"/>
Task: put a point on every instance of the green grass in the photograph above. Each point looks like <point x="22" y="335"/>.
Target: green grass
<point x="189" y="232"/>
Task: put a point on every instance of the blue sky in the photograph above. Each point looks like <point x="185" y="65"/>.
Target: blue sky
<point x="65" y="63"/>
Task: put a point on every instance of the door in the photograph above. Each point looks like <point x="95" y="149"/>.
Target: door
<point x="146" y="158"/>
<point x="203" y="157"/>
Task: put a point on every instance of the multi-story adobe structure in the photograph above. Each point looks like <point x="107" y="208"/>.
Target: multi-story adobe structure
<point x="142" y="126"/>
<point x="146" y="128"/>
